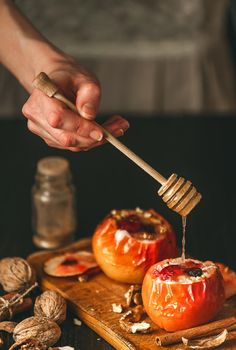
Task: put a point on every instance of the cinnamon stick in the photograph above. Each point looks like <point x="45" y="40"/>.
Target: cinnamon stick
<point x="197" y="332"/>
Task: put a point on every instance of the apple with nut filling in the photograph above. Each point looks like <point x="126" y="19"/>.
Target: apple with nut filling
<point x="128" y="242"/>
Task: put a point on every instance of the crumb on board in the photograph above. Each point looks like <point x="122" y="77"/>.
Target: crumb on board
<point x="117" y="308"/>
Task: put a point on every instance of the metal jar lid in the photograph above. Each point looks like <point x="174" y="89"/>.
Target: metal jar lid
<point x="53" y="166"/>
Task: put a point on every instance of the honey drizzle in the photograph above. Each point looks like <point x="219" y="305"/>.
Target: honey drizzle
<point x="184" y="223"/>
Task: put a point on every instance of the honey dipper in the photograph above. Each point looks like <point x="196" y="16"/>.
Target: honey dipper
<point x="179" y="195"/>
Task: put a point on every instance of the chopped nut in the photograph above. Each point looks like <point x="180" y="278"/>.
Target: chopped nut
<point x="133" y="327"/>
<point x="139" y="210"/>
<point x="147" y="215"/>
<point x="77" y="322"/>
<point x="141" y="327"/>
<point x="117" y="308"/>
<point x="138" y="299"/>
<point x="137" y="313"/>
<point x="83" y="278"/>
<point x="130" y="293"/>
<point x="113" y="212"/>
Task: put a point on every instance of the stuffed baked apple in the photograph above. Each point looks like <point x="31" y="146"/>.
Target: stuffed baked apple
<point x="128" y="242"/>
<point x="181" y="294"/>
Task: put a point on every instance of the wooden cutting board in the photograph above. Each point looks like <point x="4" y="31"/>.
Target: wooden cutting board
<point x="91" y="302"/>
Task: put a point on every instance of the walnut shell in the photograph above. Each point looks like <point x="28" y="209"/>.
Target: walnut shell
<point x="16" y="274"/>
<point x="47" y="332"/>
<point x="51" y="305"/>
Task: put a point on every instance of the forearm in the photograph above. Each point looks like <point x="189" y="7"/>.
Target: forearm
<point x="23" y="50"/>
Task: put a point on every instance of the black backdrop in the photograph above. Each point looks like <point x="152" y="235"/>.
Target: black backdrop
<point x="201" y="149"/>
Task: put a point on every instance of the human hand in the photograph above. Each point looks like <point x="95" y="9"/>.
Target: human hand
<point x="60" y="127"/>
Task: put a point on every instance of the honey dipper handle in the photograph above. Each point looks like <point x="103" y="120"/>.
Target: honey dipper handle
<point x="46" y="85"/>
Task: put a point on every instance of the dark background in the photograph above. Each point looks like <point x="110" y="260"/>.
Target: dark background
<point x="200" y="149"/>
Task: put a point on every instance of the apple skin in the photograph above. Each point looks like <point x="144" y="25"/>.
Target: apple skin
<point x="180" y="306"/>
<point x="128" y="259"/>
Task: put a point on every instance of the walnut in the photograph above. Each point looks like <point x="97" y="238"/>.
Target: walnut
<point x="16" y="274"/>
<point x="51" y="305"/>
<point x="46" y="332"/>
<point x="129" y="295"/>
<point x="129" y="324"/>
<point x="137" y="298"/>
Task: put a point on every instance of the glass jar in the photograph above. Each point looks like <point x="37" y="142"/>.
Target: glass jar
<point x="53" y="204"/>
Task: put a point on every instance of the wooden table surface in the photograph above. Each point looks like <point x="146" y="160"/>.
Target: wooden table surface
<point x="201" y="149"/>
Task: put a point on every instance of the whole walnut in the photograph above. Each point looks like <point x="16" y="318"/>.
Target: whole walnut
<point x="47" y="332"/>
<point x="51" y="305"/>
<point x="16" y="274"/>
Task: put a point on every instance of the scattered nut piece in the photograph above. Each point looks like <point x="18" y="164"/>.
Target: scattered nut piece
<point x="138" y="298"/>
<point x="83" y="278"/>
<point x="130" y="293"/>
<point x="117" y="308"/>
<point x="7" y="326"/>
<point x="147" y="215"/>
<point x="139" y="210"/>
<point x="137" y="313"/>
<point x="77" y="322"/>
<point x="207" y="343"/>
<point x="141" y="327"/>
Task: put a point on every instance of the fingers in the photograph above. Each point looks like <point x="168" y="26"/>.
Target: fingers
<point x="88" y="99"/>
<point x="61" y="128"/>
<point x="116" y="125"/>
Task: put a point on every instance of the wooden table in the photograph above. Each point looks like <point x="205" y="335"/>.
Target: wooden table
<point x="201" y="149"/>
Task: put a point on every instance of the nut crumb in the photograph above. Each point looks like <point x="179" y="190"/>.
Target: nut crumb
<point x="141" y="327"/>
<point x="117" y="308"/>
<point x="147" y="215"/>
<point x="139" y="210"/>
<point x="77" y="322"/>
<point x="83" y="278"/>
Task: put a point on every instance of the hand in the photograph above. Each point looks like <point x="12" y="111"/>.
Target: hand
<point x="60" y="127"/>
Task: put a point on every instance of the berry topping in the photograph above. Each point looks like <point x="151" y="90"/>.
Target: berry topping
<point x="194" y="272"/>
<point x="69" y="261"/>
<point x="170" y="271"/>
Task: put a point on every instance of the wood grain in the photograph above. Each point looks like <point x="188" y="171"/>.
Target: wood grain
<point x="91" y="302"/>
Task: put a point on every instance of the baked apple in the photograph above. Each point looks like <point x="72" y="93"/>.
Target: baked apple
<point x="180" y="294"/>
<point x="128" y="242"/>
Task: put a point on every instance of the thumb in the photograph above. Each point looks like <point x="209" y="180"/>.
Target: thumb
<point x="88" y="99"/>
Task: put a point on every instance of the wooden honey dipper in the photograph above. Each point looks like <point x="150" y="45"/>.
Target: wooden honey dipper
<point x="179" y="195"/>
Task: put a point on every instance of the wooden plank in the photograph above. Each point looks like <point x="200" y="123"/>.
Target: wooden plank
<point x="91" y="301"/>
